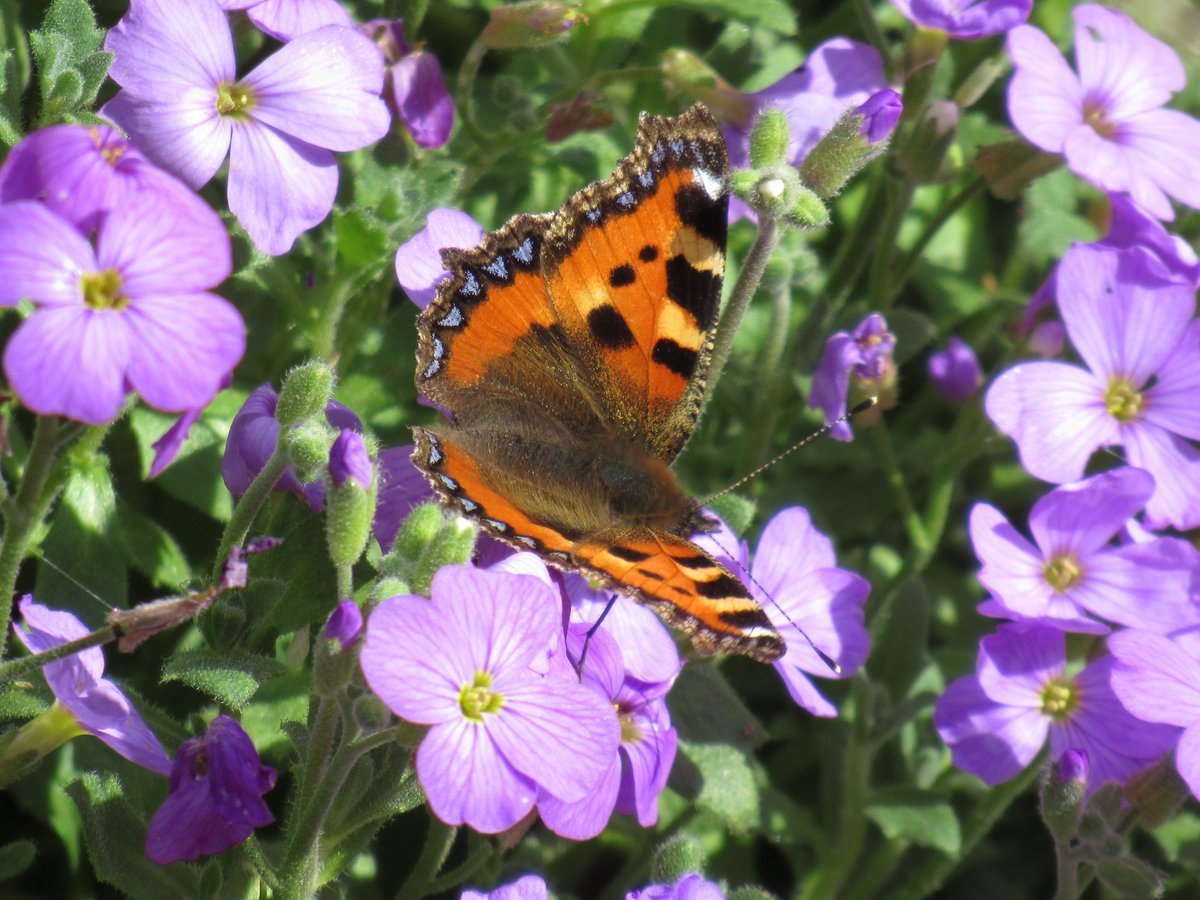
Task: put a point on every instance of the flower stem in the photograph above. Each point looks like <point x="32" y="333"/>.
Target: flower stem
<point x="895" y="478"/>
<point x="932" y="227"/>
<point x="480" y="852"/>
<point x="465" y="87"/>
<point x="18" y="667"/>
<point x="247" y="509"/>
<point x="883" y="283"/>
<point x="1066" y="872"/>
<point x="438" y="841"/>
<point x="28" y="506"/>
<point x="752" y="272"/>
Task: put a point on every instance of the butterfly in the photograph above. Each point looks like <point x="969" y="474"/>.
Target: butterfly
<point x="569" y="350"/>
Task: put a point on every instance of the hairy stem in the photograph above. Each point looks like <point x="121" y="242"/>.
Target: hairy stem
<point x="247" y="509"/>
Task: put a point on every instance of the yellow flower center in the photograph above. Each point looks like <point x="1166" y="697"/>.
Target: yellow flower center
<point x="1095" y="115"/>
<point x="630" y="732"/>
<point x="234" y="99"/>
<point x="103" y="290"/>
<point x="478" y="698"/>
<point x="1059" y="700"/>
<point x="110" y="151"/>
<point x="1062" y="573"/>
<point x="1122" y="400"/>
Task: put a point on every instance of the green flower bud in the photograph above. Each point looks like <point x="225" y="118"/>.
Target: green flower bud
<point x="306" y="389"/>
<point x="769" y="139"/>
<point x="1130" y="877"/>
<point x="807" y="210"/>
<point x="675" y="858"/>
<point x="1062" y="794"/>
<point x="687" y="75"/>
<point x="349" y="498"/>
<point x="307" y="447"/>
<point x="1158" y="792"/>
<point x="530" y="24"/>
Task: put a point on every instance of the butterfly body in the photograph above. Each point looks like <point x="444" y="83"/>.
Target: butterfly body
<point x="569" y="351"/>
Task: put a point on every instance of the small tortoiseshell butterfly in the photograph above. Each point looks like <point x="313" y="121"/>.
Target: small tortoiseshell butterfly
<point x="570" y="351"/>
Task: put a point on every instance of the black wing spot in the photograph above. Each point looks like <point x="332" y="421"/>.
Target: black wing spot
<point x="692" y="289"/>
<point x="708" y="217"/>
<point x="649" y="253"/>
<point x="693" y="562"/>
<point x="622" y="275"/>
<point x="609" y="328"/>
<point x="646" y="573"/>
<point x="744" y="618"/>
<point x="724" y="585"/>
<point x="679" y="360"/>
<point x="628" y="554"/>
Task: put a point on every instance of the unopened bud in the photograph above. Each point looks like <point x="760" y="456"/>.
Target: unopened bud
<point x="308" y="449"/>
<point x="306" y="390"/>
<point x="1062" y="794"/>
<point x="857" y="138"/>
<point x="685" y="74"/>
<point x="530" y="24"/>
<point x="769" y="139"/>
<point x="677" y="857"/>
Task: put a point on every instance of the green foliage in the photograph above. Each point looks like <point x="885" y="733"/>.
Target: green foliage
<point x="231" y="679"/>
<point x="71" y="64"/>
<point x="15" y="858"/>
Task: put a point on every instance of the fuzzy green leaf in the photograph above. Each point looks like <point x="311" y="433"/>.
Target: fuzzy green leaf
<point x="15" y="858"/>
<point x="151" y="551"/>
<point x="917" y="816"/>
<point x="231" y="679"/>
<point x="722" y="783"/>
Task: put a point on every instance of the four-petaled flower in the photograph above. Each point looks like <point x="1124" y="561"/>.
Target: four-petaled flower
<point x="967" y="20"/>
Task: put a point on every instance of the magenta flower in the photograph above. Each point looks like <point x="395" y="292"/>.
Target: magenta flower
<point x="82" y="172"/>
<point x="344" y="624"/>
<point x="529" y="887"/>
<point x="795" y="579"/>
<point x="955" y="371"/>
<point x="881" y="111"/>
<point x="997" y="720"/>
<point x="966" y="20"/>
<point x="413" y="85"/>
<point x="287" y="19"/>
<point x="1135" y="332"/>
<point x="838" y="75"/>
<point x="500" y="731"/>
<point x="1108" y="119"/>
<point x="253" y="435"/>
<point x="131" y="314"/>
<point x="1158" y="680"/>
<point x="637" y="772"/>
<point x="854" y="365"/>
<point x="349" y="460"/>
<point x="214" y="801"/>
<point x="79" y="686"/>
<point x="419" y="261"/>
<point x="184" y="106"/>
<point x="1072" y="568"/>
<point x="689" y="887"/>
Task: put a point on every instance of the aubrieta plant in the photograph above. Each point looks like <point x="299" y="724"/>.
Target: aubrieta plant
<point x="246" y="653"/>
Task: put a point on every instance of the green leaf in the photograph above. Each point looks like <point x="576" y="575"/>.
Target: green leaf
<point x="231" y="679"/>
<point x="71" y="63"/>
<point x="282" y="699"/>
<point x="114" y="834"/>
<point x="362" y="240"/>
<point x="898" y="649"/>
<point x="1051" y="224"/>
<point x="918" y="816"/>
<point x="151" y="550"/>
<point x="721" y="781"/>
<point x="15" y="858"/>
<point x="14" y="71"/>
<point x="705" y="709"/>
<point x="738" y="513"/>
<point x="84" y="559"/>
<point x="302" y="563"/>
<point x="775" y="15"/>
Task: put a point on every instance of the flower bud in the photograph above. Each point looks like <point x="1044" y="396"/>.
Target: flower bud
<point x="1011" y="167"/>
<point x="306" y="390"/>
<point x="858" y="137"/>
<point x="333" y="665"/>
<point x="1127" y="876"/>
<point x="530" y="24"/>
<point x="677" y="857"/>
<point x="1062" y="794"/>
<point x="769" y="139"/>
<point x="348" y="460"/>
<point x="686" y="74"/>
<point x="349" y="498"/>
<point x="1158" y="792"/>
<point x="344" y="625"/>
<point x="955" y="371"/>
<point x="308" y="448"/>
<point x="584" y="113"/>
<point x="932" y="135"/>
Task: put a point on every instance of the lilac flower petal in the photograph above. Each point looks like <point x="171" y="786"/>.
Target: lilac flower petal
<point x="419" y="262"/>
<point x="70" y="361"/>
<point x="530" y="887"/>
<point x="323" y="88"/>
<point x="183" y="348"/>
<point x="1171" y="402"/>
<point x="987" y="739"/>
<point x="1132" y="228"/>
<point x="1175" y="465"/>
<point x="46" y="628"/>
<point x="803" y="692"/>
<point x="1012" y="567"/>
<point x="587" y="817"/>
<point x="604" y="670"/>
<point x="557" y="732"/>
<point x="1081" y="518"/>
<point x="955" y="371"/>
<point x="1131" y="70"/>
<point x="1187" y="758"/>
<point x="182" y="133"/>
<point x="790" y="547"/>
<point x="1045" y="98"/>
<point x="287" y="19"/>
<point x="162" y="47"/>
<point x="402" y="488"/>
<point x="1074" y="621"/>
<point x="522" y="615"/>
<point x="468" y="782"/>
<point x="648" y="650"/>
<point x="828" y="605"/>
<point x="831" y="382"/>
<point x="647" y="764"/>
<point x="279" y="187"/>
<point x="1141" y="585"/>
<point x="965" y="19"/>
<point x="1056" y="414"/>
<point x="1156" y="143"/>
<point x="424" y="104"/>
<point x="1155" y="679"/>
<point x="1121" y="317"/>
<point x="253" y="435"/>
<point x="42" y="256"/>
<point x="167" y="447"/>
<point x="1017" y="661"/>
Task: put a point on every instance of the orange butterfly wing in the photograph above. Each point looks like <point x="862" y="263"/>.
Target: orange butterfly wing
<point x="570" y="352"/>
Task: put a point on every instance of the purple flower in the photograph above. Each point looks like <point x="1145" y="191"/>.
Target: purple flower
<point x="349" y="460"/>
<point x="689" y="887"/>
<point x="402" y="488"/>
<point x="184" y="106"/>
<point x="131" y="314"/>
<point x="1108" y="119"/>
<point x="286" y="19"/>
<point x="1141" y="346"/>
<point x="967" y="20"/>
<point x="881" y="111"/>
<point x="1157" y="680"/>
<point x="795" y="579"/>
<point x="344" y="625"/>
<point x="82" y="172"/>
<point x="1072" y="568"/>
<point x="500" y="731"/>
<point x="529" y="887"/>
<point x="648" y="650"/>
<point x="637" y="772"/>
<point x="997" y="720"/>
<point x="955" y="371"/>
<point x="419" y="261"/>
<point x="837" y="76"/>
<point x="413" y="85"/>
<point x="79" y="686"/>
<point x="214" y="801"/>
<point x="862" y="360"/>
<point x="253" y="435"/>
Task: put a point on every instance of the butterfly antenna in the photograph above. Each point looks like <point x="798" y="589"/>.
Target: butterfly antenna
<point x="824" y="429"/>
<point x="75" y="581"/>
<point x="587" y="638"/>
